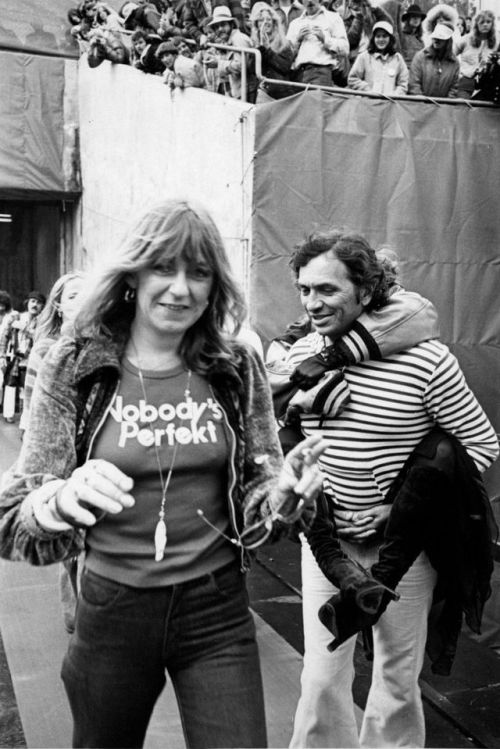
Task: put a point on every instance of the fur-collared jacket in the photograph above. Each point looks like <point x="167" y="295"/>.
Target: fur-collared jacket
<point x="442" y="13"/>
<point x="72" y="397"/>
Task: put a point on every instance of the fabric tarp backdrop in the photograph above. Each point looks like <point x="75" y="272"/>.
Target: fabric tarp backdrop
<point x="37" y="147"/>
<point x="420" y="178"/>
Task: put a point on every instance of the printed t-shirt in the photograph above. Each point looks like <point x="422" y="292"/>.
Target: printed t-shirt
<point x="121" y="546"/>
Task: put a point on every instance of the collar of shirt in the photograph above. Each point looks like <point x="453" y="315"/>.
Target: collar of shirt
<point x="381" y="56"/>
<point x="321" y="11"/>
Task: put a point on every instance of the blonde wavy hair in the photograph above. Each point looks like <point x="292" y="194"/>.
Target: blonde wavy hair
<point x="168" y="230"/>
<point x="50" y="320"/>
<point x="278" y="39"/>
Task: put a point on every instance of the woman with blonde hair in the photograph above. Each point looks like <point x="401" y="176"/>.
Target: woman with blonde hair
<point x="57" y="315"/>
<point x="474" y="51"/>
<point x="268" y="36"/>
<point x="55" y="320"/>
<point x="152" y="444"/>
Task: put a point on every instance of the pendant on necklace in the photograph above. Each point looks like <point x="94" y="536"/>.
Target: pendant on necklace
<point x="160" y="540"/>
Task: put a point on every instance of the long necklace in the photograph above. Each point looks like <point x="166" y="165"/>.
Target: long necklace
<point x="160" y="537"/>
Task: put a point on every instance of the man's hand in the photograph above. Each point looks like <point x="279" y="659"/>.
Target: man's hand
<point x="304" y="31"/>
<point x="319" y="33"/>
<point x="361" y="527"/>
<point x="210" y="61"/>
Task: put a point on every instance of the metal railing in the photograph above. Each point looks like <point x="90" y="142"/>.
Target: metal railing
<point x="347" y="92"/>
<point x="245" y="52"/>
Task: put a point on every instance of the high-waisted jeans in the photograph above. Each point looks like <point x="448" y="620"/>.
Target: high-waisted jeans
<point x="201" y="632"/>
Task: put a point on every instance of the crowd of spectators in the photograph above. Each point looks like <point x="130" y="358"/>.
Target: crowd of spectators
<point x="391" y="48"/>
<point x="17" y="331"/>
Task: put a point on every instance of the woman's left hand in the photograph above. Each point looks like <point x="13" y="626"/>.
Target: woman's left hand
<point x="300" y="477"/>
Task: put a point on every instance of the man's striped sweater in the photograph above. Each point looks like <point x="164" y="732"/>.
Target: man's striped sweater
<point x="393" y="404"/>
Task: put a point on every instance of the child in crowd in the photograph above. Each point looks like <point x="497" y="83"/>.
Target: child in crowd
<point x="380" y="69"/>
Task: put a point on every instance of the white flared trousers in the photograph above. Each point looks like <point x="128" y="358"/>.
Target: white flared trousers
<point x="394" y="713"/>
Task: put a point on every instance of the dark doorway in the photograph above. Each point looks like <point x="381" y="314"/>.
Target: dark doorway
<point x="30" y="244"/>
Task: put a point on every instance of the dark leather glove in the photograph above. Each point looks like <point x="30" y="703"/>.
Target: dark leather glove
<point x="311" y="370"/>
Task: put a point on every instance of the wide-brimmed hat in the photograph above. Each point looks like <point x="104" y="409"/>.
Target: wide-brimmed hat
<point x="442" y="31"/>
<point x="384" y="26"/>
<point x="413" y="10"/>
<point x="221" y="14"/>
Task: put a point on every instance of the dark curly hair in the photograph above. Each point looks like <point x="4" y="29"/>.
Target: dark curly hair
<point x="363" y="266"/>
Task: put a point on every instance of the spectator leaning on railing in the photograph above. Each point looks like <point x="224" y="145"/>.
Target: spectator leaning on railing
<point x="380" y="69"/>
<point x="229" y="63"/>
<point x="148" y="61"/>
<point x="434" y="70"/>
<point x="106" y="45"/>
<point x="187" y="67"/>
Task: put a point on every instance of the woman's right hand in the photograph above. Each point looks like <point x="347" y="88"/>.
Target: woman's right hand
<point x="95" y="488"/>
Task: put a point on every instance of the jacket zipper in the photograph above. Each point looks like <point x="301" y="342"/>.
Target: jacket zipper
<point x="102" y="420"/>
<point x="243" y="563"/>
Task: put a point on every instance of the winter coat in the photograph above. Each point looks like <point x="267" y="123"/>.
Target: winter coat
<point x="379" y="73"/>
<point x="430" y="76"/>
<point x="73" y="394"/>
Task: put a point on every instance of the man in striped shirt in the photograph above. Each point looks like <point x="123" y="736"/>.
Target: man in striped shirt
<point x="392" y="404"/>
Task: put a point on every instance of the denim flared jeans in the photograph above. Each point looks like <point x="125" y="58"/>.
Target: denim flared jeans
<point x="200" y="632"/>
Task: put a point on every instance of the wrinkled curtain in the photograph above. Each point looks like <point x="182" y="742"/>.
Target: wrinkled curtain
<point x="421" y="178"/>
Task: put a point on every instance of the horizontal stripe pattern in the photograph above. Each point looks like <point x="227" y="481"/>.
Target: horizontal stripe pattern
<point x="394" y="403"/>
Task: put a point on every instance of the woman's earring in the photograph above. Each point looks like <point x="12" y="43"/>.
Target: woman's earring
<point x="129" y="295"/>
